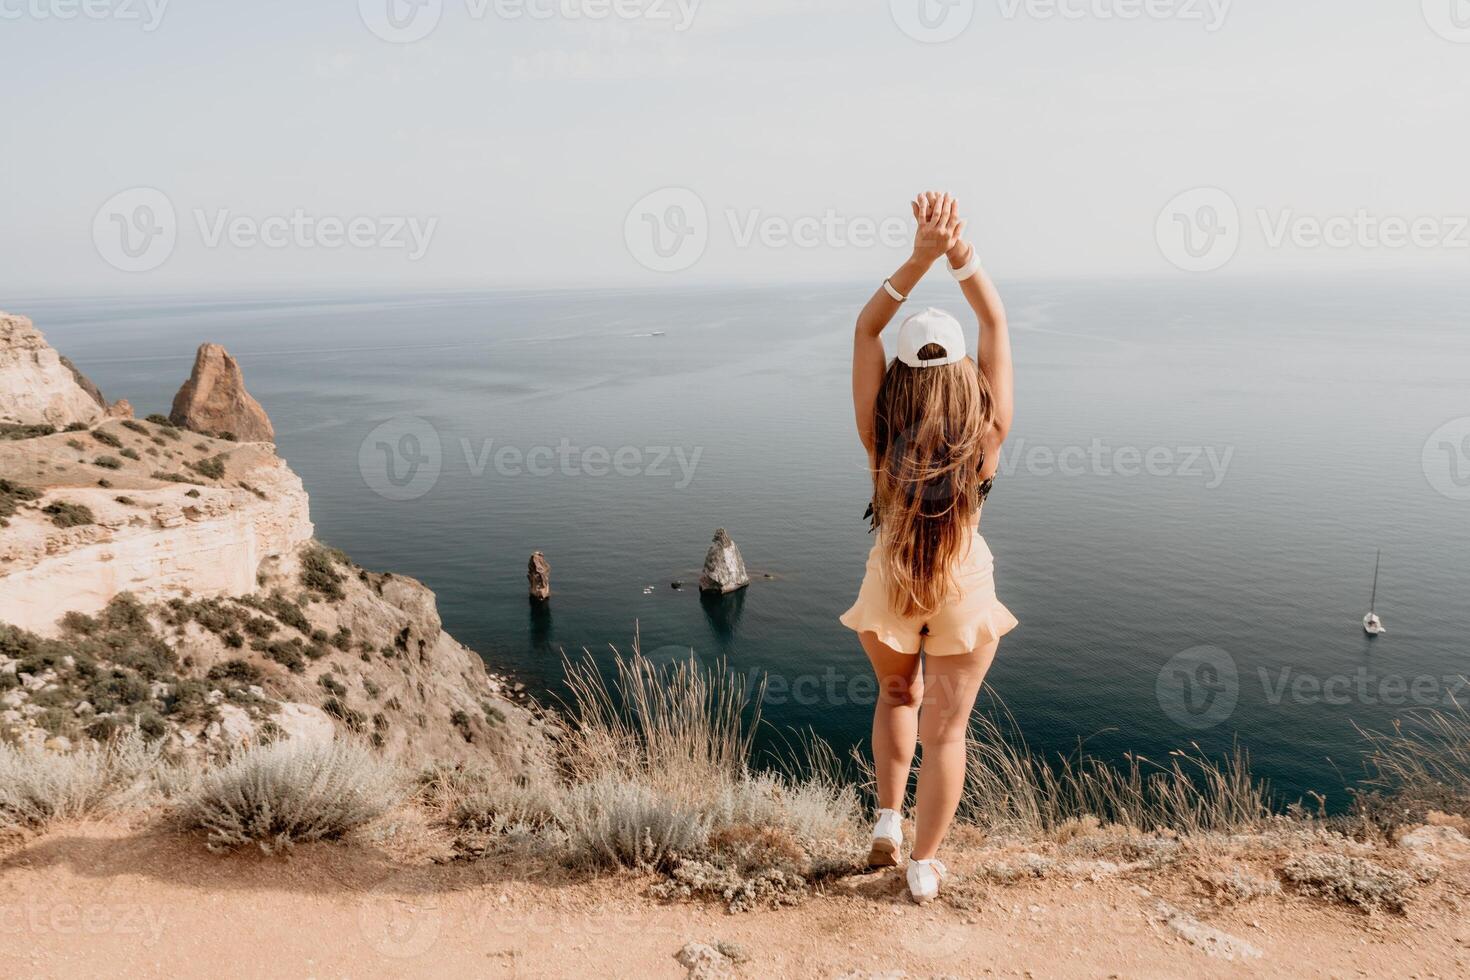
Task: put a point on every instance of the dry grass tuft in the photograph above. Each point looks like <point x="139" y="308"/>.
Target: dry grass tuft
<point x="289" y="792"/>
<point x="1011" y="790"/>
<point x="38" y="787"/>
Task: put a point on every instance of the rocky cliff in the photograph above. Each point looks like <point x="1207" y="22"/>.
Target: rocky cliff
<point x="164" y="580"/>
<point x="36" y="387"/>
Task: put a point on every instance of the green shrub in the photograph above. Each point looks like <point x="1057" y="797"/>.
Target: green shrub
<point x="108" y="462"/>
<point x="288" y="653"/>
<point x="212" y="467"/>
<point x="171" y="477"/>
<point x="333" y="685"/>
<point x="319" y="573"/>
<point x="135" y="426"/>
<point x="351" y="717"/>
<point x="65" y="514"/>
<point x="130" y="453"/>
<point x="12" y="495"/>
<point x="16" y="431"/>
<point x="107" y="438"/>
<point x="240" y="671"/>
<point x="162" y="420"/>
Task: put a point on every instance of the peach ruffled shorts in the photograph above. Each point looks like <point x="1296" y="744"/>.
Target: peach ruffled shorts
<point x="973" y="619"/>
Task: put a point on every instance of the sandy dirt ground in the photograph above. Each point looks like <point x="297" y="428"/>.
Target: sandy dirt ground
<point x="108" y="900"/>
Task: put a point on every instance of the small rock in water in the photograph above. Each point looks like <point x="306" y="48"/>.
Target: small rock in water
<point x="538" y="574"/>
<point x="724" y="568"/>
<point x="676" y="585"/>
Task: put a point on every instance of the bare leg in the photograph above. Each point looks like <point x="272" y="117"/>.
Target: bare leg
<point x="895" y="718"/>
<point x="950" y="685"/>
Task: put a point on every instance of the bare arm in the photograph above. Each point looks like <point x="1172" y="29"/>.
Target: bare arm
<point x="939" y="230"/>
<point x="993" y="352"/>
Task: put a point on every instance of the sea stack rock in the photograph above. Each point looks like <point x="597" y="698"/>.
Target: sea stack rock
<point x="724" y="569"/>
<point x="214" y="400"/>
<point x="538" y="573"/>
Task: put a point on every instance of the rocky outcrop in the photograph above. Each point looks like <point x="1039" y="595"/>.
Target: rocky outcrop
<point x="724" y="568"/>
<point x="84" y="382"/>
<point x="36" y="386"/>
<point x="160" y="526"/>
<point x="214" y="400"/>
<point x="168" y="584"/>
<point x="538" y="574"/>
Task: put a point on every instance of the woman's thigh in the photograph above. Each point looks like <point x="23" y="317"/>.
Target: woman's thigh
<point x="900" y="681"/>
<point x="950" y="687"/>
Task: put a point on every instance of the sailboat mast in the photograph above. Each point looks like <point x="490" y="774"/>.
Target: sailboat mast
<point x="1373" y="603"/>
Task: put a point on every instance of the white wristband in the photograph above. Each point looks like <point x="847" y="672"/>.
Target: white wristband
<point x="968" y="269"/>
<point x="897" y="296"/>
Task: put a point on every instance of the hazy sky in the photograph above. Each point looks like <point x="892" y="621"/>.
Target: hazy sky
<point x="511" y="144"/>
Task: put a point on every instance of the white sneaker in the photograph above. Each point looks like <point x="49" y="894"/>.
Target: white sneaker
<point x="887" y="839"/>
<point x="924" y="878"/>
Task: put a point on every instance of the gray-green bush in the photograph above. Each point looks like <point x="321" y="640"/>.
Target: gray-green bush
<point x="290" y="792"/>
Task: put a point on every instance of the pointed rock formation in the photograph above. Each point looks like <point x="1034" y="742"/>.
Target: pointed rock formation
<point x="214" y="400"/>
<point x="538" y="574"/>
<point x="36" y="385"/>
<point x="724" y="569"/>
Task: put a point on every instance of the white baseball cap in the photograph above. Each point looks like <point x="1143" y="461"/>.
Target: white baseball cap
<point x="931" y="326"/>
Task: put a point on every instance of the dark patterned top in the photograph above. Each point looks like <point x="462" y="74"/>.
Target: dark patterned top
<point x="982" y="492"/>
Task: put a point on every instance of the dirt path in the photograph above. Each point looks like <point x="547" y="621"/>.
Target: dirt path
<point x="101" y="900"/>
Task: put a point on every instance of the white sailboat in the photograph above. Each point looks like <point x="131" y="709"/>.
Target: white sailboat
<point x="1372" y="625"/>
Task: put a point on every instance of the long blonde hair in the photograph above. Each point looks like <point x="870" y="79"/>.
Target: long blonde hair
<point x="931" y="426"/>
